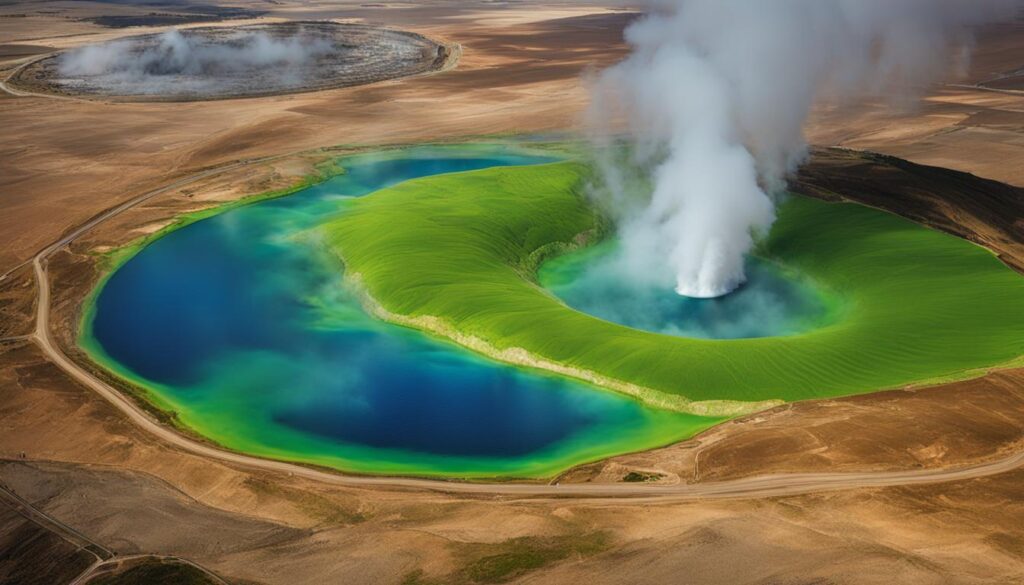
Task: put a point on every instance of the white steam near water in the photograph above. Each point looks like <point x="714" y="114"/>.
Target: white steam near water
<point x="173" y="58"/>
<point x="715" y="95"/>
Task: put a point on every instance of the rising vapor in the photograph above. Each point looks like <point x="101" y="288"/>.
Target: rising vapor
<point x="715" y="96"/>
<point x="177" y="61"/>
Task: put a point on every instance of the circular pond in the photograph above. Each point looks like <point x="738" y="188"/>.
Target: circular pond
<point x="228" y="62"/>
<point x="241" y="325"/>
<point x="771" y="303"/>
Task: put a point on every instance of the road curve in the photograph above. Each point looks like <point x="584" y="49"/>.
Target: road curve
<point x="94" y="570"/>
<point x="746" y="488"/>
<point x="5" y="84"/>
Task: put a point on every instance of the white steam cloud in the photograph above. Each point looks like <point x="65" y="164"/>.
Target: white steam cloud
<point x="715" y="96"/>
<point x="175" y="62"/>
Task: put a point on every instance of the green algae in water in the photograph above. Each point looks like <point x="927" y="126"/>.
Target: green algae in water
<point x="240" y="324"/>
<point x="914" y="304"/>
<point x="771" y="303"/>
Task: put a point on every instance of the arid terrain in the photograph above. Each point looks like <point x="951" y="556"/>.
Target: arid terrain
<point x="83" y="484"/>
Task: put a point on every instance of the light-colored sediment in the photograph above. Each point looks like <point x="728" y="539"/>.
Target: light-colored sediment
<point x="518" y="356"/>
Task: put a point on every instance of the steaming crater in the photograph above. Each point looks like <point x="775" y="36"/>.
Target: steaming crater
<point x="221" y="62"/>
<point x="714" y="98"/>
<point x="769" y="303"/>
<point x="707" y="290"/>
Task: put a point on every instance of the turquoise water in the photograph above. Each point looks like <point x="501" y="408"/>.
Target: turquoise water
<point x="241" y="325"/>
<point x="769" y="304"/>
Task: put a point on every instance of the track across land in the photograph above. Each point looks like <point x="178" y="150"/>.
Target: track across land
<point x="746" y="488"/>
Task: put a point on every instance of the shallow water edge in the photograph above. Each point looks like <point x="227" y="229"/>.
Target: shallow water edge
<point x="662" y="428"/>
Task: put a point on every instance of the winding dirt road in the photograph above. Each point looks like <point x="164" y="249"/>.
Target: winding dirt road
<point x="6" y="86"/>
<point x="97" y="568"/>
<point x="748" y="488"/>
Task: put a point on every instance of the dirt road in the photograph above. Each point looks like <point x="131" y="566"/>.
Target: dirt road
<point x="747" y="488"/>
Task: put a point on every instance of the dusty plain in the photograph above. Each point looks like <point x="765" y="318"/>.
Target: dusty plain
<point x="76" y="459"/>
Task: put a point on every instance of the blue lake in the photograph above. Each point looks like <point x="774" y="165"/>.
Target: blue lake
<point x="240" y="324"/>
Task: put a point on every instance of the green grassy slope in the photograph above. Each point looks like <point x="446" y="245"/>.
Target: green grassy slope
<point x="464" y="248"/>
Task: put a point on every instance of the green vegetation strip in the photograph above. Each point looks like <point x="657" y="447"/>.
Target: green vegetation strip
<point x="457" y="255"/>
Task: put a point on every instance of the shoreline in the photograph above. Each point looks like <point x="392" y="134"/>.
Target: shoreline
<point x="650" y="397"/>
<point x="518" y="356"/>
<point x="146" y="397"/>
<point x="109" y="261"/>
<point x="513" y="356"/>
<point x="416" y="294"/>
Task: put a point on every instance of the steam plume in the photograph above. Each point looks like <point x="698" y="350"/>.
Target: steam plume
<point x="715" y="95"/>
<point x="174" y="59"/>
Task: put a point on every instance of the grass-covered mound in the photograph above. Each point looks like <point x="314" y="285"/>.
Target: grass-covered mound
<point x="457" y="254"/>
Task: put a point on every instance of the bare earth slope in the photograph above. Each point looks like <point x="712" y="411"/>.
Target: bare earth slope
<point x="981" y="210"/>
<point x="62" y="162"/>
<point x="712" y="456"/>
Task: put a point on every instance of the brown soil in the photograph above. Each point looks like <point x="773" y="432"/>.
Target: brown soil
<point x="15" y="50"/>
<point x="32" y="555"/>
<point x="983" y="211"/>
<point x="327" y="535"/>
<point x="63" y="162"/>
<point x="389" y="536"/>
<point x="17" y="303"/>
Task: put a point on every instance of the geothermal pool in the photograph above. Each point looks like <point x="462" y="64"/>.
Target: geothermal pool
<point x="229" y="62"/>
<point x="772" y="303"/>
<point x="240" y="325"/>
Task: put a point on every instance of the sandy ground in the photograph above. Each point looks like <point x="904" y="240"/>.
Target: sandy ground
<point x="137" y="496"/>
<point x="62" y="162"/>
